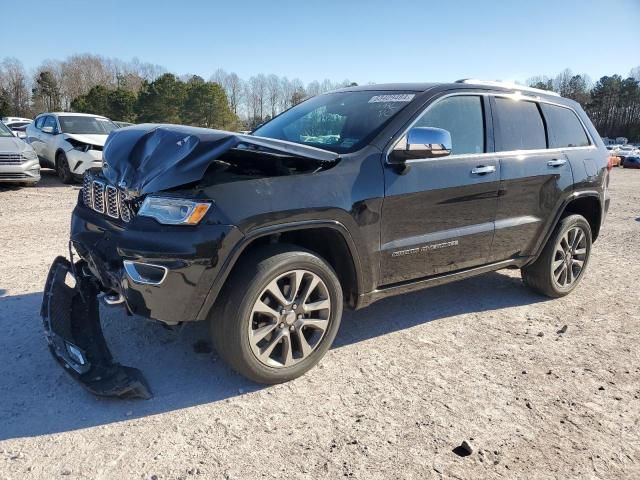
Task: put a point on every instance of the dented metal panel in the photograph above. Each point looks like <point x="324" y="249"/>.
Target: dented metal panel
<point x="150" y="158"/>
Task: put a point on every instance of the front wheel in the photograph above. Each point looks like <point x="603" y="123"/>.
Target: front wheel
<point x="564" y="259"/>
<point x="62" y="168"/>
<point x="278" y="314"/>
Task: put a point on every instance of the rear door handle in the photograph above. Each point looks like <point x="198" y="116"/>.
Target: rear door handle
<point x="556" y="162"/>
<point x="482" y="170"/>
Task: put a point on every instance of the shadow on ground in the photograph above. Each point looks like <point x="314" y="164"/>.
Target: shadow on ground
<point x="39" y="398"/>
<point x="48" y="178"/>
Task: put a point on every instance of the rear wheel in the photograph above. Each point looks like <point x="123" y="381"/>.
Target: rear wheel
<point x="278" y="314"/>
<point x="564" y="259"/>
<point x="62" y="168"/>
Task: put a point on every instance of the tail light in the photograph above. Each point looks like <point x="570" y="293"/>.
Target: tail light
<point x="611" y="162"/>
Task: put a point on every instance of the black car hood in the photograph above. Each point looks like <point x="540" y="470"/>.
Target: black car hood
<point x="149" y="158"/>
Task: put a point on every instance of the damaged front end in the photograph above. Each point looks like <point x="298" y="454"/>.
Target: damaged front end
<point x="72" y="327"/>
<point x="157" y="267"/>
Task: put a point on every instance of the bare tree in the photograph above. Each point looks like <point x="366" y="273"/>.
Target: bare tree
<point x="234" y="87"/>
<point x="14" y="80"/>
<point x="274" y="92"/>
<point x="313" y="88"/>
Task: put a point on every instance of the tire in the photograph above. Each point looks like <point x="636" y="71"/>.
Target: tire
<point x="62" y="168"/>
<point x="545" y="275"/>
<point x="253" y="281"/>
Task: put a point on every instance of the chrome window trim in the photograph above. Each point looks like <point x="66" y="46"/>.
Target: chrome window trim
<point x="513" y="96"/>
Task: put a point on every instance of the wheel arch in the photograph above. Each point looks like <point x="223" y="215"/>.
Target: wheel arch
<point x="585" y="203"/>
<point x="590" y="208"/>
<point x="328" y="239"/>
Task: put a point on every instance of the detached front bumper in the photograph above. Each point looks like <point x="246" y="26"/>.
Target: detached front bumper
<point x="162" y="272"/>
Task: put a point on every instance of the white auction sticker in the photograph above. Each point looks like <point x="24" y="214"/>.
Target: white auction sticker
<point x="401" y="97"/>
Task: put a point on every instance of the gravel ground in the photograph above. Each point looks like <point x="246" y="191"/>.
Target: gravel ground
<point x="409" y="379"/>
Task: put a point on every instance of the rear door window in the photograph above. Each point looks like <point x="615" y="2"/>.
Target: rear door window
<point x="519" y="125"/>
<point x="565" y="130"/>
<point x="462" y="116"/>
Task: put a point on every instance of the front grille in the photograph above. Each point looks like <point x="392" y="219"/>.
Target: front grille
<point x="11" y="159"/>
<point x="104" y="198"/>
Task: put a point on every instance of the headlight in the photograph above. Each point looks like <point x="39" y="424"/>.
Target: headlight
<point x="29" y="154"/>
<point x="174" y="211"/>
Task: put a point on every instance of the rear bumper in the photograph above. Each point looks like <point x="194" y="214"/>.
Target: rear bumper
<point x="175" y="266"/>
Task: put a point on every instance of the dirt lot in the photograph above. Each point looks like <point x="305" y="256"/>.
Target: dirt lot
<point x="409" y="379"/>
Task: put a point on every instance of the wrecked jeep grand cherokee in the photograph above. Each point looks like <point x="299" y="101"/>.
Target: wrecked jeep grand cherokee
<point x="346" y="198"/>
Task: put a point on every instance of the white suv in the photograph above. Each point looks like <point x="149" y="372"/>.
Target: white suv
<point x="69" y="142"/>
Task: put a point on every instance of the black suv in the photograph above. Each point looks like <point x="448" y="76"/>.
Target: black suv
<point x="344" y="199"/>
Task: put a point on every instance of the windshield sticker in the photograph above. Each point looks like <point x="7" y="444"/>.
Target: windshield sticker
<point x="403" y="97"/>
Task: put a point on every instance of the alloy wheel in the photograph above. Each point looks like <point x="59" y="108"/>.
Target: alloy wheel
<point x="289" y="318"/>
<point x="569" y="257"/>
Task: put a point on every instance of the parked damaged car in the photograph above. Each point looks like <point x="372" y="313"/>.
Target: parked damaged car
<point x="70" y="143"/>
<point x="347" y="198"/>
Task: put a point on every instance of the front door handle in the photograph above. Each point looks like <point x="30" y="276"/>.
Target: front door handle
<point x="556" y="162"/>
<point x="482" y="170"/>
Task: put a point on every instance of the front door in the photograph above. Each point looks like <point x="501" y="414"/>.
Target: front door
<point x="438" y="214"/>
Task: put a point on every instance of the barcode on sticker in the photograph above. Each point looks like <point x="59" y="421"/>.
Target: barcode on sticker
<point x="401" y="97"/>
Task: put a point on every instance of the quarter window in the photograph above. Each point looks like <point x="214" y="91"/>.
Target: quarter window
<point x="520" y="126"/>
<point x="565" y="130"/>
<point x="463" y="117"/>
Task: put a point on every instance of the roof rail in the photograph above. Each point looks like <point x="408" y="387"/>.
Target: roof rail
<point x="510" y="85"/>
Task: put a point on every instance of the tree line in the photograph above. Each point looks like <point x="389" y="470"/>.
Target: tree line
<point x="141" y="92"/>
<point x="136" y="91"/>
<point x="612" y="102"/>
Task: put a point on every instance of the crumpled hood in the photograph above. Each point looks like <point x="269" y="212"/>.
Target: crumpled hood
<point x="13" y="145"/>
<point x="91" y="139"/>
<point x="149" y="158"/>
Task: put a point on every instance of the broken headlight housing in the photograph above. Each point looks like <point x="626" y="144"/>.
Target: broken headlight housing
<point x="77" y="145"/>
<point x="174" y="211"/>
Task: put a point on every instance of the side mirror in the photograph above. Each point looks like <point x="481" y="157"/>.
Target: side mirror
<point x="20" y="134"/>
<point x="48" y="130"/>
<point x="422" y="142"/>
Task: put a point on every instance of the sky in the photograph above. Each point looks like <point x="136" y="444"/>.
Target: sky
<point x="363" y="41"/>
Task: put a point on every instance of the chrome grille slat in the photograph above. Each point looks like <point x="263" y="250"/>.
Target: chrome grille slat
<point x="111" y="201"/>
<point x="104" y="198"/>
<point x="98" y="196"/>
<point x="87" y="195"/>
<point x="125" y="212"/>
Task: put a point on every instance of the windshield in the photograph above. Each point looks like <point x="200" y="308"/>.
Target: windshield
<point x="340" y="122"/>
<point x="86" y="125"/>
<point x="4" y="131"/>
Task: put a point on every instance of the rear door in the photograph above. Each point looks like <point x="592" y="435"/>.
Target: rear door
<point x="533" y="177"/>
<point x="438" y="214"/>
